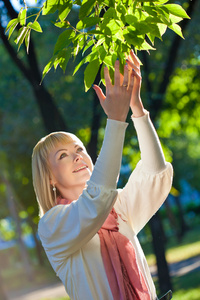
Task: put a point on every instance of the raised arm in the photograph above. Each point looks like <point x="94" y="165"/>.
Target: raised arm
<point x="150" y="182"/>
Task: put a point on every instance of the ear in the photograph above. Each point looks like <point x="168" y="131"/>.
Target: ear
<point x="52" y="180"/>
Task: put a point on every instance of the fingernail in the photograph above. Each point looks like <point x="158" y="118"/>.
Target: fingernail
<point x="92" y="85"/>
<point x="133" y="70"/>
<point x="117" y="58"/>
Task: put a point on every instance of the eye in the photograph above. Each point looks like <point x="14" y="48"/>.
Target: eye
<point x="63" y="155"/>
<point x="79" y="149"/>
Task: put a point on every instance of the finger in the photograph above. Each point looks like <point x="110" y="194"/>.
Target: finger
<point x="99" y="93"/>
<point x="138" y="76"/>
<point x="121" y="79"/>
<point x="135" y="58"/>
<point x="132" y="65"/>
<point x="131" y="82"/>
<point x="107" y="77"/>
<point x="117" y="73"/>
<point x="126" y="76"/>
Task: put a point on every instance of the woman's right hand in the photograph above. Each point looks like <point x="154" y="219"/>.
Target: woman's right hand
<point x="116" y="103"/>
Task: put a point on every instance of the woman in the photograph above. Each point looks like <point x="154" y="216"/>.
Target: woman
<point x="88" y="228"/>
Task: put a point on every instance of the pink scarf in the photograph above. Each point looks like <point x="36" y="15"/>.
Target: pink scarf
<point x="125" y="279"/>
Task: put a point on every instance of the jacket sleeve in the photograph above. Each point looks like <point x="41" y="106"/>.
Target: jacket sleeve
<point x="150" y="182"/>
<point x="66" y="228"/>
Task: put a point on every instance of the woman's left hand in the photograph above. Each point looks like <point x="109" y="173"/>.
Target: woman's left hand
<point x="136" y="102"/>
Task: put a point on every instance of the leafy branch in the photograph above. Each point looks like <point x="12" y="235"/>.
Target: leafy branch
<point x="106" y="30"/>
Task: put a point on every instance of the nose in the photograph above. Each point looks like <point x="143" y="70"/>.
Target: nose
<point x="78" y="157"/>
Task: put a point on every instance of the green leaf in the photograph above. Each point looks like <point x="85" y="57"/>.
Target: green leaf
<point x="162" y="28"/>
<point x="102" y="74"/>
<point x="112" y="27"/>
<point x="121" y="8"/>
<point x="11" y="24"/>
<point x="49" y="7"/>
<point x="161" y="1"/>
<point x="27" y="40"/>
<point x="133" y="39"/>
<point x="151" y="37"/>
<point x="177" y="29"/>
<point x="130" y="19"/>
<point x="79" y="65"/>
<point x="142" y="27"/>
<point x="100" y="41"/>
<point x="87" y="22"/>
<point x="78" y="43"/>
<point x="67" y="56"/>
<point x="78" y="2"/>
<point x="62" y="24"/>
<point x="48" y="66"/>
<point x="145" y="46"/>
<point x="21" y="36"/>
<point x="88" y="45"/>
<point x="175" y="19"/>
<point x="150" y="10"/>
<point x="64" y="40"/>
<point x="91" y="73"/>
<point x="64" y="10"/>
<point x="177" y="10"/>
<point x="110" y="14"/>
<point x="86" y="8"/>
<point x="35" y="26"/>
<point x="12" y="28"/>
<point x="63" y="58"/>
<point x="108" y="61"/>
<point x="22" y="17"/>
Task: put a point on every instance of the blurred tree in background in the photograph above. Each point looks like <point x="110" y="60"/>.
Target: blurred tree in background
<point x="28" y="110"/>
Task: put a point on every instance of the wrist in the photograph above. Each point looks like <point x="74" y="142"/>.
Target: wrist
<point x="138" y="109"/>
<point x="120" y="119"/>
<point x="117" y="117"/>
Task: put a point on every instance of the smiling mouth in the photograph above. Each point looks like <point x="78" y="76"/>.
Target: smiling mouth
<point x="80" y="169"/>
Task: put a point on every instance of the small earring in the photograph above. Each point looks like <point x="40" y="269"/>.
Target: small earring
<point x="54" y="191"/>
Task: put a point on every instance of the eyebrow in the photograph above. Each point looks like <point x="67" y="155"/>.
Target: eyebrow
<point x="65" y="149"/>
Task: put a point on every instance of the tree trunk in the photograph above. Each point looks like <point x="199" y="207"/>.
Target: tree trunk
<point x="159" y="250"/>
<point x="38" y="247"/>
<point x="95" y="125"/>
<point x="182" y="224"/>
<point x="172" y="220"/>
<point x="14" y="214"/>
<point x="2" y="291"/>
<point x="50" y="114"/>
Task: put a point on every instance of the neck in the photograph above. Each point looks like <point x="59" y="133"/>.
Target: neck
<point x="72" y="193"/>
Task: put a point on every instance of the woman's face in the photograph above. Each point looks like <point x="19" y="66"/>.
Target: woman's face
<point x="71" y="167"/>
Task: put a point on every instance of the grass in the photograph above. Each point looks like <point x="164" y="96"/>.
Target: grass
<point x="186" y="287"/>
<point x="188" y="247"/>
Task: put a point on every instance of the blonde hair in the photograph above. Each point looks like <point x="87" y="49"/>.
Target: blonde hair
<point x="41" y="170"/>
